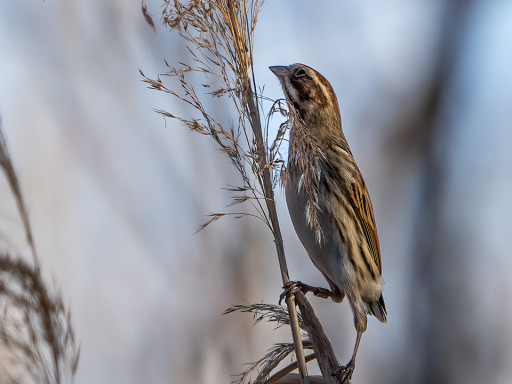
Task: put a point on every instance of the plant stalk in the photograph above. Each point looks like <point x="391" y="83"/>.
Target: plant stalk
<point x="276" y="230"/>
<point x="321" y="344"/>
<point x="278" y="377"/>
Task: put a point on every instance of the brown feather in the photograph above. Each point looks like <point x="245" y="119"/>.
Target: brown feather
<point x="360" y="199"/>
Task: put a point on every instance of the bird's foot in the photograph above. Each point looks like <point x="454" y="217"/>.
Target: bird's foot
<point x="344" y="372"/>
<point x="289" y="289"/>
<point x="294" y="286"/>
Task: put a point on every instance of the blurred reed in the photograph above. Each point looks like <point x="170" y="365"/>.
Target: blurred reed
<point x="36" y="331"/>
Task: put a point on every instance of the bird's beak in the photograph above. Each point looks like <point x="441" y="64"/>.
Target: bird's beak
<point x="279" y="70"/>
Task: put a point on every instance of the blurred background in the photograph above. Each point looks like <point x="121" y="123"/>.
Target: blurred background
<point x="115" y="193"/>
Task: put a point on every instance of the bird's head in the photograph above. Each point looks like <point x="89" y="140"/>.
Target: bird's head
<point x="310" y="94"/>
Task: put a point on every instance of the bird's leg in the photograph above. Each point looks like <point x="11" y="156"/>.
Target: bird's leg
<point x="294" y="286"/>
<point x="324" y="293"/>
<point x="345" y="371"/>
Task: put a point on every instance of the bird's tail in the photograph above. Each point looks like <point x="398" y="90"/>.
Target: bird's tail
<point x="378" y="309"/>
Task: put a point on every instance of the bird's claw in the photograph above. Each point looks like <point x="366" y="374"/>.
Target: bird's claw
<point x="344" y="372"/>
<point x="289" y="288"/>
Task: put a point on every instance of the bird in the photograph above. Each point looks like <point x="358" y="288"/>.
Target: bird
<point x="328" y="201"/>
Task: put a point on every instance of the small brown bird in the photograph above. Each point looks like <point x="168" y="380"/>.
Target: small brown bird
<point x="328" y="200"/>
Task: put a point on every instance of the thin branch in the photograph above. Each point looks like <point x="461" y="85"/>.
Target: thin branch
<point x="281" y="374"/>
<point x="294" y="378"/>
<point x="324" y="352"/>
<point x="276" y="230"/>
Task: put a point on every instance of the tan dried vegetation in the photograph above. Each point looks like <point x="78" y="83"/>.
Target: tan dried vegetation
<point x="219" y="36"/>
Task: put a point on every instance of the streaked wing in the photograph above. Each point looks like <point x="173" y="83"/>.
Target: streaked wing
<point x="350" y="180"/>
<point x="360" y="200"/>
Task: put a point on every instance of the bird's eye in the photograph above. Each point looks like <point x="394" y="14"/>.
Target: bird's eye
<point x="301" y="72"/>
